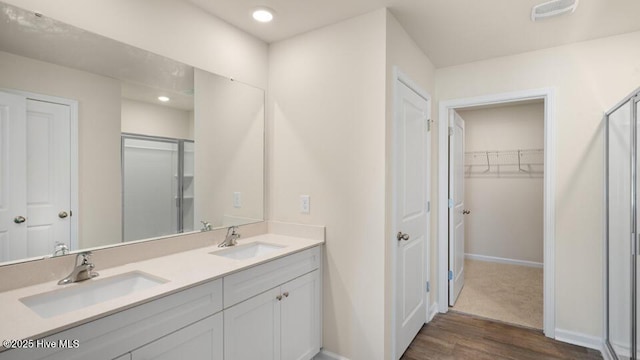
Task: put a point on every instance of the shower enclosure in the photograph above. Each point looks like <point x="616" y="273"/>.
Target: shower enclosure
<point x="158" y="186"/>
<point x="622" y="226"/>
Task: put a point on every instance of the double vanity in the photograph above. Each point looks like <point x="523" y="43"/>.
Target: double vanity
<point x="259" y="299"/>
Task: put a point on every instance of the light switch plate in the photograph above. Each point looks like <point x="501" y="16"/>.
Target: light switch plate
<point x="305" y="204"/>
<point x="237" y="199"/>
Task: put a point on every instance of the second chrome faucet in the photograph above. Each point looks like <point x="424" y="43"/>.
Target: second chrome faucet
<point x="231" y="239"/>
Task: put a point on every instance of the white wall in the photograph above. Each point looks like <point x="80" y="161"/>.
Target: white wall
<point x="506" y="205"/>
<point x="156" y="120"/>
<point x="99" y="138"/>
<point x="403" y="53"/>
<point x="589" y="77"/>
<point x="229" y="151"/>
<point x="173" y="28"/>
<point x="326" y="136"/>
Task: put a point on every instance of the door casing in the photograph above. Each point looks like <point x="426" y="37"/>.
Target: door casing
<point x="548" y="96"/>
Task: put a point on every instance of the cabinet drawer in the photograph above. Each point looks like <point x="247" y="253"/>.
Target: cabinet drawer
<point x="245" y="284"/>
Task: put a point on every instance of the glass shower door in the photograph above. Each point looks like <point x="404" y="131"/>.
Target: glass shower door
<point x="150" y="184"/>
<point x="621" y="210"/>
<point x="636" y="298"/>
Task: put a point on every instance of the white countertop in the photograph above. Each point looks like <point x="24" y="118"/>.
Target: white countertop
<point x="182" y="270"/>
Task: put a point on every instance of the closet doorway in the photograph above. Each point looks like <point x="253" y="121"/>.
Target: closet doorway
<point x="495" y="238"/>
<point x="496" y="224"/>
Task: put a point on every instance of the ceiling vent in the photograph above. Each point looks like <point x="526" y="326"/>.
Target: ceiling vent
<point x="553" y="8"/>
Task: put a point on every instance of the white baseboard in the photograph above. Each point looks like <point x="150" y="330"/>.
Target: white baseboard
<point x="433" y="310"/>
<point x="328" y="355"/>
<point x="571" y="337"/>
<point x="503" y="260"/>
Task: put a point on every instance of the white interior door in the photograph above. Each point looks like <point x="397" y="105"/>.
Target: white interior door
<point x="13" y="188"/>
<point x="456" y="207"/>
<point x="411" y="213"/>
<point x="48" y="176"/>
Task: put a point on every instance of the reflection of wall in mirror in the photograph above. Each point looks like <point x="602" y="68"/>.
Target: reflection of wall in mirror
<point x="229" y="148"/>
<point x="99" y="144"/>
<point x="156" y="120"/>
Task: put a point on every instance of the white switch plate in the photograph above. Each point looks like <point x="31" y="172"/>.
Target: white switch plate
<point x="305" y="204"/>
<point x="237" y="199"/>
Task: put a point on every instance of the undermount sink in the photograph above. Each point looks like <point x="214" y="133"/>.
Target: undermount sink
<point x="248" y="251"/>
<point x="90" y="292"/>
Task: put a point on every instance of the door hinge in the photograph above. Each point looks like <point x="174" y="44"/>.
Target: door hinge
<point x="450" y="131"/>
<point x="633" y="243"/>
<point x="428" y="287"/>
<point x="450" y="203"/>
<point x="450" y="274"/>
<point x="429" y="124"/>
<point x="428" y="206"/>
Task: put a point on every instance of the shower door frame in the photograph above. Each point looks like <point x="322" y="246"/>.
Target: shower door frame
<point x="632" y="101"/>
<point x="180" y="175"/>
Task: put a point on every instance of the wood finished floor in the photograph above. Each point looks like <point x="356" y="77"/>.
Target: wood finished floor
<point x="461" y="336"/>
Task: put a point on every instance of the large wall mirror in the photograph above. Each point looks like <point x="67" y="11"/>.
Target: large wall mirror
<point x="102" y="143"/>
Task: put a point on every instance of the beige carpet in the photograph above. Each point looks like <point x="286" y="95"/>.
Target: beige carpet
<point x="508" y="293"/>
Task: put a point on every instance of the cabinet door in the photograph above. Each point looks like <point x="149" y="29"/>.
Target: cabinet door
<point x="252" y="328"/>
<point x="199" y="341"/>
<point x="300" y="317"/>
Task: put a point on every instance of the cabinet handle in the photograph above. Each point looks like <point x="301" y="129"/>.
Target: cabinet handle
<point x="19" y="219"/>
<point x="279" y="297"/>
<point x="286" y="294"/>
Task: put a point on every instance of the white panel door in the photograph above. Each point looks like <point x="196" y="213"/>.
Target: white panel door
<point x="300" y="317"/>
<point x="199" y="341"/>
<point x="13" y="167"/>
<point x="411" y="212"/>
<point x="456" y="215"/>
<point x="252" y="328"/>
<point x="48" y="176"/>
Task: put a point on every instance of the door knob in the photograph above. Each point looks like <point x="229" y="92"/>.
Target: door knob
<point x="402" y="236"/>
<point x="62" y="214"/>
<point x="19" y="219"/>
<point x="466" y="212"/>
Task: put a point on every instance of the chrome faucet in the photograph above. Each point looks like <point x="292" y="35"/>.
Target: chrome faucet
<point x="82" y="271"/>
<point x="231" y="238"/>
<point x="206" y="226"/>
<point x="60" y="249"/>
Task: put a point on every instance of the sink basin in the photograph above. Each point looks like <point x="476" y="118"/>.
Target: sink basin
<point x="89" y="293"/>
<point x="248" y="251"/>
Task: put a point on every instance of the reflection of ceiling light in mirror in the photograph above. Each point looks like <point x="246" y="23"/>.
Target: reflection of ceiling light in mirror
<point x="163" y="98"/>
<point x="263" y="15"/>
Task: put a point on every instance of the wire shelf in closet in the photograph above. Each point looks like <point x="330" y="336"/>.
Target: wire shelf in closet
<point x="505" y="163"/>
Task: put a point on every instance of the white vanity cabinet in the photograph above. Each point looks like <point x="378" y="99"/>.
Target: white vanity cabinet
<point x="281" y="323"/>
<point x="269" y="311"/>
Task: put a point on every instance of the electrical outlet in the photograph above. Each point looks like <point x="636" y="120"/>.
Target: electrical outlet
<point x="305" y="204"/>
<point x="237" y="199"/>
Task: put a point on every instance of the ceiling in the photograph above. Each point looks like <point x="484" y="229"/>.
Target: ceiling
<point x="450" y="32"/>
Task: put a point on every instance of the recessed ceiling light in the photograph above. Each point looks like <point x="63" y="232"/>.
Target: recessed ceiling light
<point x="263" y="15"/>
<point x="553" y="8"/>
<point x="163" y="98"/>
